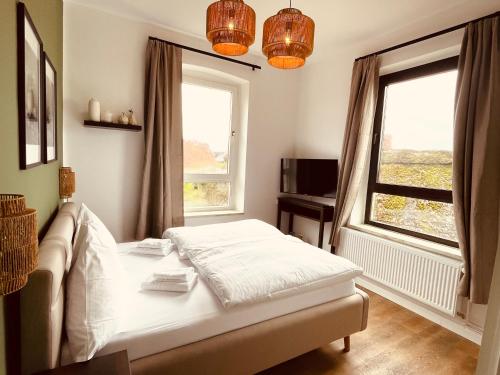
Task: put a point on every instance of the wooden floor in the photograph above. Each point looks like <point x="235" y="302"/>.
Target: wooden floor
<point x="396" y="341"/>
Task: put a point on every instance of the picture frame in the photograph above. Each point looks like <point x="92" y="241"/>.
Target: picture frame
<point x="29" y="58"/>
<point x="49" y="110"/>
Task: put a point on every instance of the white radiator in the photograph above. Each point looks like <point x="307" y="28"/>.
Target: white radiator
<point x="427" y="277"/>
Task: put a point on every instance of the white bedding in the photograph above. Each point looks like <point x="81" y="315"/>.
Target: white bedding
<point x="250" y="261"/>
<point x="159" y="321"/>
<point x="206" y="236"/>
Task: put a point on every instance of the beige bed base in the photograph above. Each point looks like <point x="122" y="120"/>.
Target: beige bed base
<point x="242" y="351"/>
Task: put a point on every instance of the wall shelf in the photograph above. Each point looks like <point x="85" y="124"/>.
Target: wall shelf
<point x="112" y="125"/>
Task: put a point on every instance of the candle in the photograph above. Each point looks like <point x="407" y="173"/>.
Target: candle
<point x="107" y="116"/>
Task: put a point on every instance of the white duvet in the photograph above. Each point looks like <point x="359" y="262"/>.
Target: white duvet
<point x="250" y="261"/>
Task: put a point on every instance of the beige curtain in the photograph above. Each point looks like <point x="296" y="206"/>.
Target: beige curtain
<point x="162" y="203"/>
<point x="476" y="156"/>
<point x="360" y="117"/>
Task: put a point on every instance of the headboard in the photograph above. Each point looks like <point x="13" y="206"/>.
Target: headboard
<point x="42" y="299"/>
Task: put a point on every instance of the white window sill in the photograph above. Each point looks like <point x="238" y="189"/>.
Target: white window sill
<point x="213" y="213"/>
<point x="432" y="247"/>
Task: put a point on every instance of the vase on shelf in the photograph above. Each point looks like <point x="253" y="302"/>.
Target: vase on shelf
<point x="131" y="117"/>
<point x="94" y="110"/>
<point x="123" y="119"/>
<point x="107" y="116"/>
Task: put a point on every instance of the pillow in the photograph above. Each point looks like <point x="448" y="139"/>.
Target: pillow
<point x="93" y="288"/>
<point x="204" y="236"/>
<point x="85" y="216"/>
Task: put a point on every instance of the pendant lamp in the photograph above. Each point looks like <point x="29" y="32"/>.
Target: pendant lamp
<point x="288" y="39"/>
<point x="230" y="27"/>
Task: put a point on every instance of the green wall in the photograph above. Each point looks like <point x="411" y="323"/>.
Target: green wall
<point x="39" y="184"/>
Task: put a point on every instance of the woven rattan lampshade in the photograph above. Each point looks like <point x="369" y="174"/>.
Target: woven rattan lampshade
<point x="288" y="39"/>
<point x="66" y="182"/>
<point x="230" y="27"/>
<point x="18" y="242"/>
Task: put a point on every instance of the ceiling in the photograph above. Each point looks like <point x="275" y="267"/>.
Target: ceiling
<point x="337" y="22"/>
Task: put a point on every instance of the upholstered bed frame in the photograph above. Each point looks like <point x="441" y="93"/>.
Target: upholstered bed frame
<point x="242" y="351"/>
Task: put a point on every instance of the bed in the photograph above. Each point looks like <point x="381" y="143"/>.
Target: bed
<point x="189" y="333"/>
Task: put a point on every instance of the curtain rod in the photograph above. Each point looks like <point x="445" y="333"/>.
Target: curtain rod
<point x="429" y="36"/>
<point x="253" y="66"/>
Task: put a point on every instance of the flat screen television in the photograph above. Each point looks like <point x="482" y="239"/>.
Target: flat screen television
<point x="316" y="177"/>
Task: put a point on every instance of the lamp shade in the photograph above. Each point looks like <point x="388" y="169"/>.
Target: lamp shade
<point x="288" y="39"/>
<point x="18" y="242"/>
<point x="66" y="182"/>
<point x="230" y="27"/>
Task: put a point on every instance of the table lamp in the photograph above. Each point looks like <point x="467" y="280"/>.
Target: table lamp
<point x="18" y="242"/>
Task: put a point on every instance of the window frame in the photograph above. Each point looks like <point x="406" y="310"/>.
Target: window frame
<point x="233" y="144"/>
<point x="374" y="186"/>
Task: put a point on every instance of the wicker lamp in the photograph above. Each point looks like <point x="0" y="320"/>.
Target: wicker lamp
<point x="288" y="39"/>
<point x="230" y="27"/>
<point x="18" y="243"/>
<point x="66" y="182"/>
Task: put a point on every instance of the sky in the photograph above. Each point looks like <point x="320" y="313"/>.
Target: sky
<point x="419" y="113"/>
<point x="206" y="116"/>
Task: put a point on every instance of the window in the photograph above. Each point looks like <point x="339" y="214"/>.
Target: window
<point x="210" y="132"/>
<point x="409" y="187"/>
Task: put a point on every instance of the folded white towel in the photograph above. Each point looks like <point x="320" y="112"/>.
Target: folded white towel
<point x="168" y="286"/>
<point x="174" y="274"/>
<point x="154" y="243"/>
<point x="161" y="251"/>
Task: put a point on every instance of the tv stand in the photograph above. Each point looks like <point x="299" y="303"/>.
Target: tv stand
<point x="312" y="210"/>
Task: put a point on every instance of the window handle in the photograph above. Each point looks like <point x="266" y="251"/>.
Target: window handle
<point x="375" y="138"/>
<point x="233" y="133"/>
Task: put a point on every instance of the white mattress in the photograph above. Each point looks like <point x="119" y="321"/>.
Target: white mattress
<point x="159" y="321"/>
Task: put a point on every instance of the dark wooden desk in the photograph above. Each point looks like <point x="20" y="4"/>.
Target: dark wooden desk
<point x="111" y="364"/>
<point x="312" y="210"/>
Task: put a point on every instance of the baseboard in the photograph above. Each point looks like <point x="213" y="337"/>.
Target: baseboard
<point x="456" y="325"/>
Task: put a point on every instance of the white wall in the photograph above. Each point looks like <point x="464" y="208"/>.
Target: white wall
<point x="104" y="57"/>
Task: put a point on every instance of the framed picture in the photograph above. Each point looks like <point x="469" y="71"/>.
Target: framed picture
<point x="30" y="57"/>
<point x="49" y="111"/>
